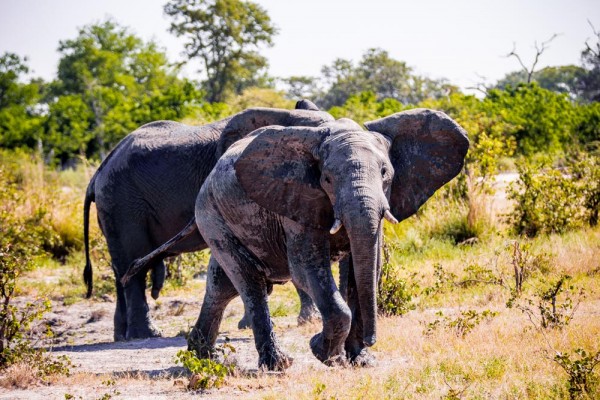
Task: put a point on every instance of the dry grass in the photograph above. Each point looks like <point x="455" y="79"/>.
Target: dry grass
<point x="19" y="376"/>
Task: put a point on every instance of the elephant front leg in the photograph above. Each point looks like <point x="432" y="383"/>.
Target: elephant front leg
<point x="308" y="256"/>
<point x="356" y="351"/>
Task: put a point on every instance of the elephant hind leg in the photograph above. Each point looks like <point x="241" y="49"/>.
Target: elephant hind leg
<point x="245" y="272"/>
<point x="132" y="316"/>
<point x="120" y="317"/>
<point x="254" y="290"/>
<point x="219" y="292"/>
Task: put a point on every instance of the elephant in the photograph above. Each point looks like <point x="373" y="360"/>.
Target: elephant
<point x="145" y="192"/>
<point x="284" y="202"/>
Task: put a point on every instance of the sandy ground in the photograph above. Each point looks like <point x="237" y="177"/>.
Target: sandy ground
<point x="146" y="368"/>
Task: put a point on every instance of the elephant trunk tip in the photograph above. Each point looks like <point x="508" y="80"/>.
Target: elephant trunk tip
<point x="370" y="340"/>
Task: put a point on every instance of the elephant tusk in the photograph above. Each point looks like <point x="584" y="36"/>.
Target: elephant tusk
<point x="388" y="215"/>
<point x="337" y="225"/>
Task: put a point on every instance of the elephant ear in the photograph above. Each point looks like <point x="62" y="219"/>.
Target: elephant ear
<point x="279" y="171"/>
<point x="428" y="150"/>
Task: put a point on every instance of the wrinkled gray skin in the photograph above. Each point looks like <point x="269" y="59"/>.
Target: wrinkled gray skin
<point x="145" y="192"/>
<point x="284" y="203"/>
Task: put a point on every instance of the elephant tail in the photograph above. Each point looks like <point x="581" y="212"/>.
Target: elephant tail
<point x="141" y="264"/>
<point x="88" y="276"/>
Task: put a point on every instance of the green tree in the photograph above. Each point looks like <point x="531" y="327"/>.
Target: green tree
<point x="110" y="82"/>
<point x="590" y="58"/>
<point x="563" y="79"/>
<point x="380" y="74"/>
<point x="20" y="120"/>
<point x="364" y="107"/>
<point x="225" y="35"/>
<point x="301" y="87"/>
<point x="543" y="120"/>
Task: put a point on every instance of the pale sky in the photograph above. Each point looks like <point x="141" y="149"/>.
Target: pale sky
<point x="453" y="39"/>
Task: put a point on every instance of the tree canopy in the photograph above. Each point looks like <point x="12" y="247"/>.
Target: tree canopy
<point x="380" y="74"/>
<point x="110" y="82"/>
<point x="225" y="35"/>
<point x="19" y="117"/>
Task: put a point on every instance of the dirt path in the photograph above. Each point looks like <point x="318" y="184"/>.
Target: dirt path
<point x="83" y="332"/>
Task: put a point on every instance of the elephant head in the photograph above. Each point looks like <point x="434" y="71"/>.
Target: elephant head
<point x="339" y="175"/>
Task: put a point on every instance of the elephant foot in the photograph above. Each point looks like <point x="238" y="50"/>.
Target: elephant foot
<point x="197" y="342"/>
<point x="308" y="314"/>
<point x="142" y="332"/>
<point x="326" y="352"/>
<point x="274" y="360"/>
<point x="363" y="359"/>
<point x="120" y="333"/>
<point x="245" y="322"/>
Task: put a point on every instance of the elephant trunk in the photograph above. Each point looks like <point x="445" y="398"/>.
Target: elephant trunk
<point x="363" y="224"/>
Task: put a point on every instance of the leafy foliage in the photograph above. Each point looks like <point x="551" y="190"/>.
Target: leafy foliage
<point x="463" y="324"/>
<point x="552" y="312"/>
<point x="20" y="120"/>
<point x="543" y="120"/>
<point x="225" y="36"/>
<point x="21" y="241"/>
<point x="563" y="79"/>
<point x="380" y="74"/>
<point x="590" y="58"/>
<point x="206" y="373"/>
<point x="554" y="201"/>
<point x="110" y="82"/>
<point x="394" y="294"/>
<point x="583" y="382"/>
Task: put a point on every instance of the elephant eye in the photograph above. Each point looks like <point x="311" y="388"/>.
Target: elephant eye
<point x="384" y="171"/>
<point x="327" y="179"/>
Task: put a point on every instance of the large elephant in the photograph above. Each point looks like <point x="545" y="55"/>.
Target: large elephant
<point x="145" y="192"/>
<point x="284" y="202"/>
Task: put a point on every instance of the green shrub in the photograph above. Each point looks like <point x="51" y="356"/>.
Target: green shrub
<point x="586" y="169"/>
<point x="464" y="323"/>
<point x="22" y="239"/>
<point x="394" y="294"/>
<point x="206" y="373"/>
<point x="552" y="306"/>
<point x="546" y="201"/>
<point x="582" y="383"/>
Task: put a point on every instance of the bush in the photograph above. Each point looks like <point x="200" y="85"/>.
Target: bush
<point x="22" y="239"/>
<point x="582" y="380"/>
<point x="394" y="295"/>
<point x="462" y="324"/>
<point x="206" y="373"/>
<point x="554" y="201"/>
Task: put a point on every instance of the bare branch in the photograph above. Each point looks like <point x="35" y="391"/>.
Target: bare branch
<point x="539" y="50"/>
<point x="513" y="53"/>
<point x="481" y="86"/>
<point x="595" y="54"/>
